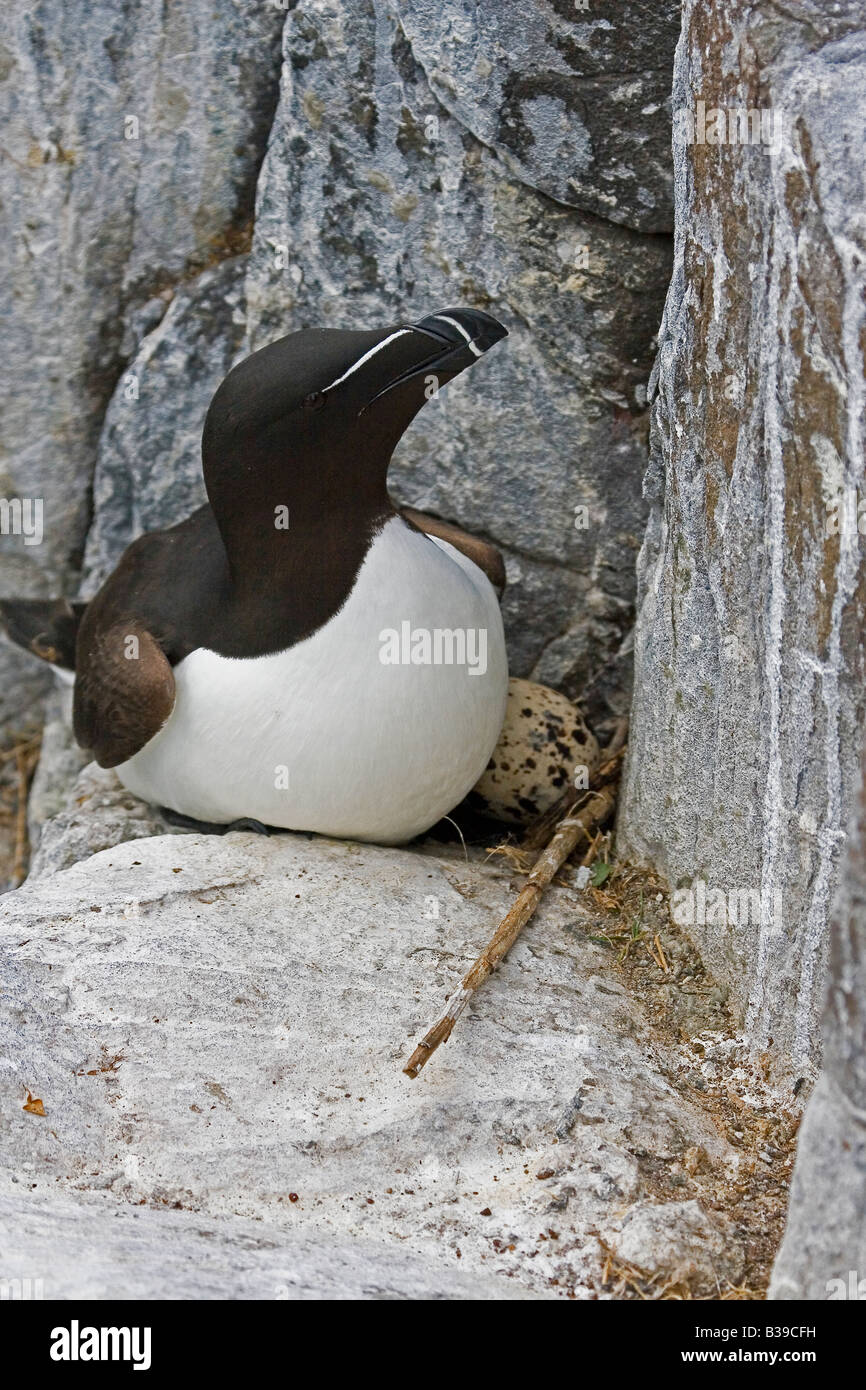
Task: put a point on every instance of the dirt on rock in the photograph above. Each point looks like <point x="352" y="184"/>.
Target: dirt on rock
<point x="755" y="1113"/>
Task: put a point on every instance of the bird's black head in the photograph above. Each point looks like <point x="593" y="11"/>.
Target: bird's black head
<point x="310" y="421"/>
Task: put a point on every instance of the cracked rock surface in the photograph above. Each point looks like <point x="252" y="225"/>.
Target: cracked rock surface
<point x="825" y="1239"/>
<point x="385" y="192"/>
<point x="216" y="1026"/>
<point x="749" y="658"/>
<point x="132" y="139"/>
<point x="97" y="1249"/>
<point x="418" y="155"/>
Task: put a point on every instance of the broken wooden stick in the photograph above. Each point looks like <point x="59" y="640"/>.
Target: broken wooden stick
<point x="568" y="832"/>
<point x="27" y="755"/>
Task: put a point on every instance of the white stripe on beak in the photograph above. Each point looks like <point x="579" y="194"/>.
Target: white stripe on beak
<point x="444" y="318"/>
<point x="371" y="352"/>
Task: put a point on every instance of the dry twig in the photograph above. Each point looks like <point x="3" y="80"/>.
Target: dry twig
<point x="569" y="831"/>
<point x="29" y="745"/>
<point x="26" y="755"/>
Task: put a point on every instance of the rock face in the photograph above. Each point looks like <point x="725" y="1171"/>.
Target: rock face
<point x="148" y="469"/>
<point x="217" y="1026"/>
<point x="825" y="1239"/>
<point x="60" y="762"/>
<point x="573" y="99"/>
<point x="93" y="1248"/>
<point x="411" y="166"/>
<point x="749" y="677"/>
<point x="421" y="155"/>
<point x="98" y="813"/>
<point x="132" y="140"/>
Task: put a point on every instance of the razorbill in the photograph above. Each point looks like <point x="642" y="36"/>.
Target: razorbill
<point x="298" y="652"/>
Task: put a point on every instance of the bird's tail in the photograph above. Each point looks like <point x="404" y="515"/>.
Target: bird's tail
<point x="46" y="627"/>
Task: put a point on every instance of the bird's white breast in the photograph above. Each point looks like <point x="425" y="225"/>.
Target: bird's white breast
<point x="328" y="736"/>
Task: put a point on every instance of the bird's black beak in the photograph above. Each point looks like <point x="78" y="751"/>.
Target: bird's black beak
<point x="464" y="328"/>
<point x="456" y="338"/>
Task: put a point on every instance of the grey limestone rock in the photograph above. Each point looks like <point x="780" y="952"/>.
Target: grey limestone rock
<point x="97" y="812"/>
<point x="575" y="97"/>
<point x="679" y="1241"/>
<point x="749" y="658"/>
<point x="823" y="1254"/>
<point x="76" y="1248"/>
<point x="217" y="1023"/>
<point x="132" y="137"/>
<point x="148" y="470"/>
<point x="383" y="195"/>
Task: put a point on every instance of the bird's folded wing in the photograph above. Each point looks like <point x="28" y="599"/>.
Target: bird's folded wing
<point x="482" y="553"/>
<point x="124" y="691"/>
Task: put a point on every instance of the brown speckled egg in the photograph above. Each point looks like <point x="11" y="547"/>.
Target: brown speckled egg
<point x="543" y="740"/>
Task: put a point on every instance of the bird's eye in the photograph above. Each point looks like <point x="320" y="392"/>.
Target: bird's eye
<point x="314" y="401"/>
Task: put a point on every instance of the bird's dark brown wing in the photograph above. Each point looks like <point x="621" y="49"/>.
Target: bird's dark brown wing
<point x="124" y="690"/>
<point x="148" y="615"/>
<point x="482" y="553"/>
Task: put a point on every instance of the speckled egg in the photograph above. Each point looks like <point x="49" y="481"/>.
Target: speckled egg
<point x="544" y="742"/>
